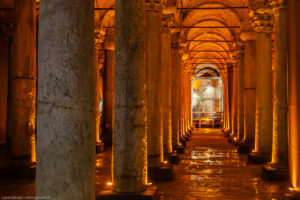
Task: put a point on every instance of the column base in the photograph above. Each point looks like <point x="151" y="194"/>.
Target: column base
<point x="244" y="148"/>
<point x="257" y="158"/>
<point x="274" y="173"/>
<point x="99" y="147"/>
<point x="149" y="194"/>
<point x="179" y="149"/>
<point x="174" y="158"/>
<point x="231" y="138"/>
<point x="186" y="137"/>
<point x="161" y="174"/>
<point x="188" y="133"/>
<point x="13" y="172"/>
<point x="227" y="132"/>
<point x="183" y="141"/>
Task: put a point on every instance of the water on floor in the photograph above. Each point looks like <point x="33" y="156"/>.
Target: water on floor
<point x="210" y="169"/>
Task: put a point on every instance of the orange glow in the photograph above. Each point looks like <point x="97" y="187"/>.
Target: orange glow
<point x="293" y="151"/>
<point x="109" y="183"/>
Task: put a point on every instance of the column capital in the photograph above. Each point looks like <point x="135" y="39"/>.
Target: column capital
<point x="262" y="19"/>
<point x="278" y="5"/>
<point x="153" y="5"/>
<point x="99" y="38"/>
<point x="184" y="51"/>
<point x="167" y="23"/>
<point x="247" y="32"/>
<point x="238" y="50"/>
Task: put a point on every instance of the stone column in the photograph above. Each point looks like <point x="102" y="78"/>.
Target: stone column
<point x="153" y="63"/>
<point x="249" y="91"/>
<point x="166" y="86"/>
<point x="278" y="168"/>
<point x="174" y="89"/>
<point x="130" y="138"/>
<point x="180" y="97"/>
<point x="108" y="85"/>
<point x="66" y="103"/>
<point x="225" y="100"/>
<point x="294" y="93"/>
<point x="4" y="63"/>
<point x="99" y="38"/>
<point x="263" y="122"/>
<point x="22" y="85"/>
<point x="241" y="64"/>
<point x="235" y="85"/>
<point x="230" y="96"/>
<point x="189" y="101"/>
<point x="183" y="102"/>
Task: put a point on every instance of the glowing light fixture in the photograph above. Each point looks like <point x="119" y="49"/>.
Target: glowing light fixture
<point x="109" y="183"/>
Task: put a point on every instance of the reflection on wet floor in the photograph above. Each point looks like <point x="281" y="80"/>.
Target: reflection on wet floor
<point x="212" y="169"/>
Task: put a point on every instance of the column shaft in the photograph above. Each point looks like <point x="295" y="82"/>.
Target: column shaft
<point x="180" y="96"/>
<point x="66" y="103"/>
<point x="130" y="138"/>
<point x="235" y="102"/>
<point x="174" y="91"/>
<point x="108" y="97"/>
<point x="166" y="91"/>
<point x="153" y="63"/>
<point x="294" y="93"/>
<point x="249" y="91"/>
<point x="280" y="137"/>
<point x="97" y="97"/>
<point x="4" y="63"/>
<point x="22" y="84"/>
<point x="263" y="120"/>
<point x="241" y="96"/>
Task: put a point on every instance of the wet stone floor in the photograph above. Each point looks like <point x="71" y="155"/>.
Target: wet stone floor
<point x="210" y="169"/>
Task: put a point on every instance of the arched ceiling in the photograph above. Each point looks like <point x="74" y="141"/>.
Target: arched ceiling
<point x="208" y="27"/>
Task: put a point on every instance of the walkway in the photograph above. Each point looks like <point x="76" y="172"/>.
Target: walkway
<point x="210" y="169"/>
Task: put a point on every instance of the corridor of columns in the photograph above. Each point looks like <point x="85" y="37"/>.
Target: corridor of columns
<point x="149" y="99"/>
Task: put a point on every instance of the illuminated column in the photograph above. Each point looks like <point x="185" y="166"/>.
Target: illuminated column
<point x="22" y="85"/>
<point x="166" y="86"/>
<point x="66" y="103"/>
<point x="249" y="38"/>
<point x="235" y="83"/>
<point x="294" y="93"/>
<point x="230" y="96"/>
<point x="99" y="38"/>
<point x="225" y="99"/>
<point x="241" y="64"/>
<point x="108" y="87"/>
<point x="130" y="139"/>
<point x="182" y="88"/>
<point x="278" y="168"/>
<point x="263" y="121"/>
<point x="189" y="100"/>
<point x="153" y="63"/>
<point x="174" y="89"/>
<point x="181" y="100"/>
